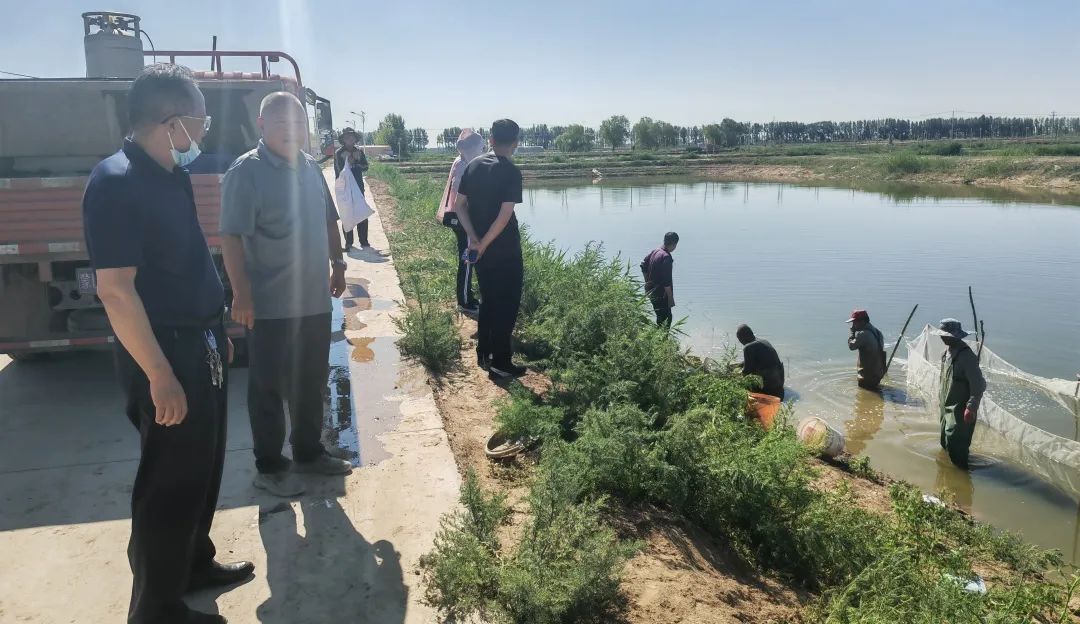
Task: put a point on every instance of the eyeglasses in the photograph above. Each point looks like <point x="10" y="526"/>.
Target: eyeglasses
<point x="205" y="120"/>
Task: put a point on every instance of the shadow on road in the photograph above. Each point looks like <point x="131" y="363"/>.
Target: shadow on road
<point x="321" y="569"/>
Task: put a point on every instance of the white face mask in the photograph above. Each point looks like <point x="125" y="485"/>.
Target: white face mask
<point x="183" y="159"/>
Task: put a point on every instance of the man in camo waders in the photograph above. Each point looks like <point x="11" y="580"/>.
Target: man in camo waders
<point x="962" y="387"/>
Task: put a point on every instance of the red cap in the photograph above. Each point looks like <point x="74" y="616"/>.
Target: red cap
<point x="859" y="315"/>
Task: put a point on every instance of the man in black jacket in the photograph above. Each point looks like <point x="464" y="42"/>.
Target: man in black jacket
<point x="761" y="359"/>
<point x="351" y="155"/>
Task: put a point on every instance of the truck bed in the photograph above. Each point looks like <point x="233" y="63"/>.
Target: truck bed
<point x="42" y="217"/>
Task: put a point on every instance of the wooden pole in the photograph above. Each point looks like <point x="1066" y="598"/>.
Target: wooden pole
<point x="982" y="340"/>
<point x="897" y="345"/>
<point x="974" y="316"/>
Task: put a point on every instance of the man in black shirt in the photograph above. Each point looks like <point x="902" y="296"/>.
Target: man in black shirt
<point x="656" y="268"/>
<point x="489" y="190"/>
<point x="760" y="358"/>
<point x="165" y="301"/>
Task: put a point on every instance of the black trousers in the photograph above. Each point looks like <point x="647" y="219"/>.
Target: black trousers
<point x="288" y="360"/>
<point x="361" y="231"/>
<point x="663" y="313"/>
<point x="179" y="475"/>
<point x="465" y="294"/>
<point x="501" y="280"/>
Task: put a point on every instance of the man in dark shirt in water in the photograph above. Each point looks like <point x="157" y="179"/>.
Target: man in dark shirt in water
<point x="760" y="358"/>
<point x="656" y="268"/>
<point x="870" y="343"/>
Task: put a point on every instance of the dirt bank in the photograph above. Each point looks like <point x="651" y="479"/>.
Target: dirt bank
<point x="1050" y="175"/>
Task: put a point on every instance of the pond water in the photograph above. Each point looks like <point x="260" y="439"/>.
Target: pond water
<point x="793" y="261"/>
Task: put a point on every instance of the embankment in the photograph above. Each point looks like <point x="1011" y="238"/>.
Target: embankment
<point x="1051" y="168"/>
<point x="647" y="496"/>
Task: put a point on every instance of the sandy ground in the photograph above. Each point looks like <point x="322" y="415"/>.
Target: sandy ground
<point x="347" y="551"/>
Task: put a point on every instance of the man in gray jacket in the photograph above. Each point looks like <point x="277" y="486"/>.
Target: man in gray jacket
<point x="870" y="343"/>
<point x="282" y="251"/>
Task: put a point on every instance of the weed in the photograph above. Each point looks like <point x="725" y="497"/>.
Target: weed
<point x="1066" y="149"/>
<point x="1000" y="167"/>
<point x="860" y="467"/>
<point x="522" y="416"/>
<point x="564" y="568"/>
<point x="428" y="331"/>
<point x="461" y="572"/>
<point x="953" y="148"/>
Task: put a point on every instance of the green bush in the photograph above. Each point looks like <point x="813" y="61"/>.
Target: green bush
<point x="522" y="416"/>
<point x="461" y="572"/>
<point x="1000" y="167"/>
<point x="565" y="567"/>
<point x="905" y="163"/>
<point x="428" y="331"/>
<point x="1067" y="149"/>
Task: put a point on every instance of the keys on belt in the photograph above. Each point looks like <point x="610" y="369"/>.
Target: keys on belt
<point x="213" y="359"/>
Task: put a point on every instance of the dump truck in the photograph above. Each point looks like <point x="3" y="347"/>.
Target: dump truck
<point x="53" y="131"/>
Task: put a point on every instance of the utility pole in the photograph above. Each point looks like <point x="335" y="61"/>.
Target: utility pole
<point x="1053" y="123"/>
<point x="363" y="129"/>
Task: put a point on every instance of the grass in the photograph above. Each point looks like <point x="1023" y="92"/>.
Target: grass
<point x="632" y="416"/>
<point x="906" y="162"/>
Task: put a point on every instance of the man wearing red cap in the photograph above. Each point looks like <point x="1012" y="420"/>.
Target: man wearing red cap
<point x="870" y="343"/>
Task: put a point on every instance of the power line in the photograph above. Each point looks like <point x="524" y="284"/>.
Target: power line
<point x="15" y="74"/>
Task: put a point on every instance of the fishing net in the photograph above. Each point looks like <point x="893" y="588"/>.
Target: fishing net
<point x="1045" y="400"/>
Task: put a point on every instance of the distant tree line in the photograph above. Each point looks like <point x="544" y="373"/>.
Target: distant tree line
<point x="647" y="133"/>
<point x="617" y="131"/>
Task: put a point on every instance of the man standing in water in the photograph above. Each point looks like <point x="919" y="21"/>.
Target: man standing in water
<point x="489" y="190"/>
<point x="962" y="387"/>
<point x="870" y="343"/>
<point x="656" y="267"/>
<point x="761" y="359"/>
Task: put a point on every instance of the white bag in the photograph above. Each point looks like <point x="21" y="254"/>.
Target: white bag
<point x="352" y="206"/>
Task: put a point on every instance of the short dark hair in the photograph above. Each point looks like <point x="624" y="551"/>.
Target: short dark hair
<point x="504" y="132"/>
<point x="745" y="334"/>
<point x="159" y="91"/>
<point x="671" y="238"/>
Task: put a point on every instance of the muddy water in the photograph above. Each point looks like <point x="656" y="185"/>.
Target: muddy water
<point x="794" y="261"/>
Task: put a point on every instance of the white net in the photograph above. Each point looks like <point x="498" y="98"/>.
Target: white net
<point x="1056" y="456"/>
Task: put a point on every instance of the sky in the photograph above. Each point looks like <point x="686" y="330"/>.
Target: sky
<point x="465" y="63"/>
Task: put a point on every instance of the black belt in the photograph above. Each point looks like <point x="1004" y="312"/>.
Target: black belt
<point x="210" y="322"/>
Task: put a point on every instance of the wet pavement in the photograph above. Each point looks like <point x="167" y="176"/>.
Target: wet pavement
<point x="347" y="550"/>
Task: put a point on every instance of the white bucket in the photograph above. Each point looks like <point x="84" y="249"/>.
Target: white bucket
<point x="817" y="434"/>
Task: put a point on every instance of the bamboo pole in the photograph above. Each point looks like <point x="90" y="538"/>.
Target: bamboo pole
<point x="897" y="345"/>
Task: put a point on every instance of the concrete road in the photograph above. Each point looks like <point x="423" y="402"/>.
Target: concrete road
<point x="346" y="551"/>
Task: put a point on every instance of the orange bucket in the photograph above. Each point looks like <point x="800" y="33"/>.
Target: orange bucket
<point x="763" y="407"/>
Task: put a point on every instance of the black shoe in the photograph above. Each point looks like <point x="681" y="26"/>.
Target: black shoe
<point x="483" y="360"/>
<point x="508" y="369"/>
<point x="499" y="376"/>
<point x="198" y="617"/>
<point x="220" y="574"/>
